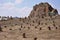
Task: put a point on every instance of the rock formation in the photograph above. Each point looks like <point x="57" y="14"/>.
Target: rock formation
<point x="43" y="9"/>
<point x="43" y="23"/>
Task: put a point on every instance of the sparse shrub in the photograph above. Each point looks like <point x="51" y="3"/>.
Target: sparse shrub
<point x="33" y="21"/>
<point x="35" y="26"/>
<point x="40" y="28"/>
<point x="35" y="38"/>
<point x="35" y="7"/>
<point x="38" y="23"/>
<point x="42" y="16"/>
<point x="28" y="27"/>
<point x="15" y="24"/>
<point x="5" y="26"/>
<point x="54" y="25"/>
<point x="29" y="17"/>
<point x="53" y="22"/>
<point x="32" y="24"/>
<point x="59" y="25"/>
<point x="45" y="23"/>
<point x="24" y="35"/>
<point x="49" y="28"/>
<point x="19" y="28"/>
<point x="23" y="21"/>
<point x="0" y="29"/>
<point x="27" y="23"/>
<point x="25" y="17"/>
<point x="10" y="29"/>
<point x="24" y="26"/>
<point x="41" y="23"/>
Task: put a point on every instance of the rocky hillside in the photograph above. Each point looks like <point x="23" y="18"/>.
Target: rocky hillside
<point x="43" y="9"/>
<point x="43" y="23"/>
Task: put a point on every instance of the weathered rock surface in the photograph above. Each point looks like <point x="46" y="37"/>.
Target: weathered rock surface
<point x="43" y="23"/>
<point x="43" y="9"/>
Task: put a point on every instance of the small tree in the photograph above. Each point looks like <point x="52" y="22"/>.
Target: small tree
<point x="42" y="16"/>
<point x="35" y="26"/>
<point x="49" y="28"/>
<point x="0" y="29"/>
<point x="24" y="35"/>
<point x="56" y="27"/>
<point x="40" y="28"/>
<point x="35" y="38"/>
<point x="28" y="27"/>
<point x="33" y="21"/>
<point x="10" y="29"/>
<point x="21" y="26"/>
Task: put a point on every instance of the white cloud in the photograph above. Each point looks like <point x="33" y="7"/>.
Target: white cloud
<point x="7" y="5"/>
<point x="25" y="11"/>
<point x="58" y="11"/>
<point x="18" y="1"/>
<point x="9" y="9"/>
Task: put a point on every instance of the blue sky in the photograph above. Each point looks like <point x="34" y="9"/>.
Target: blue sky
<point x="22" y="8"/>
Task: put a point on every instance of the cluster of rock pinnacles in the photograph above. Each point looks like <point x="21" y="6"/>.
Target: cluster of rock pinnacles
<point x="42" y="18"/>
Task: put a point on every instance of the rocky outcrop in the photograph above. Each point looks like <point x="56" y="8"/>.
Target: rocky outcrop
<point x="43" y="9"/>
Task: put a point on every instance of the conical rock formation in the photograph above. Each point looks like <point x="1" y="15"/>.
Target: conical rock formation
<point x="43" y="9"/>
